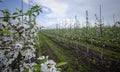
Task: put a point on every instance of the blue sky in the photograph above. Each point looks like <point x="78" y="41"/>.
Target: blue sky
<point x="54" y="10"/>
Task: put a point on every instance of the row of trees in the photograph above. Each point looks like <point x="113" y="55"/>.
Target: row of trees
<point x="99" y="35"/>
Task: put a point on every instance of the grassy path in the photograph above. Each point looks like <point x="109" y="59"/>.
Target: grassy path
<point x="58" y="53"/>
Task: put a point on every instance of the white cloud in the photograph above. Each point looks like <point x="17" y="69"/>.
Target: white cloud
<point x="58" y="8"/>
<point x="26" y="1"/>
<point x="69" y="8"/>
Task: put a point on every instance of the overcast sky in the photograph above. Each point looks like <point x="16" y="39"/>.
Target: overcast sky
<point x="68" y="9"/>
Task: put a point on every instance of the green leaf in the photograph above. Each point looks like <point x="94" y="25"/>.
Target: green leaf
<point x="17" y="9"/>
<point x="29" y="12"/>
<point x="14" y="18"/>
<point x="36" y="68"/>
<point x="20" y="11"/>
<point x="2" y="11"/>
<point x="34" y="15"/>
<point x="15" y="13"/>
<point x="60" y="64"/>
<point x="6" y="14"/>
<point x="26" y="70"/>
<point x="6" y="32"/>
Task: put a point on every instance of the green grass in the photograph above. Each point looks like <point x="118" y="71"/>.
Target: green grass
<point x="65" y="55"/>
<point x="62" y="55"/>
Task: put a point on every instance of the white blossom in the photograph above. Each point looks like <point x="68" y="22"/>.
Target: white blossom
<point x="41" y="58"/>
<point x="49" y="66"/>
